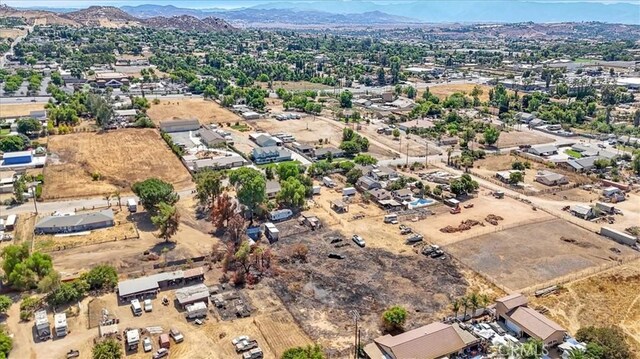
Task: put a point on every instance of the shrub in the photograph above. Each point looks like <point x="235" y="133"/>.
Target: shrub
<point x="394" y="318"/>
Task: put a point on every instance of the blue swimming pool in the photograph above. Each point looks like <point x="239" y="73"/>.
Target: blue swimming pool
<point x="422" y="202"/>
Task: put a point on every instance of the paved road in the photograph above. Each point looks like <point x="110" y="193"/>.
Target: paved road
<point x="24" y="100"/>
<point x="71" y="205"/>
<point x="3" y="59"/>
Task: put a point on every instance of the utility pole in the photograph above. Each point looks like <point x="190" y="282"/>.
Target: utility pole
<point x="356" y="341"/>
<point x="32" y="190"/>
<point x="426" y="155"/>
<point x="407" y="154"/>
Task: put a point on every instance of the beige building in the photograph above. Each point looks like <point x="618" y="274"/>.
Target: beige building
<point x="436" y="340"/>
<point x="513" y="311"/>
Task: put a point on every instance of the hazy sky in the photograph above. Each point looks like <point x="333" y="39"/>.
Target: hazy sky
<point x="204" y="4"/>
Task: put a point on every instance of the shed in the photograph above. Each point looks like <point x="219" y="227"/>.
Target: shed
<point x="179" y="125"/>
<point x="271" y="231"/>
<point x="192" y="294"/>
<point x="17" y="158"/>
<point x="164" y="341"/>
<point x="339" y="206"/>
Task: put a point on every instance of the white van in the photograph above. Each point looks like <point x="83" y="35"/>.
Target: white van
<point x="136" y="308"/>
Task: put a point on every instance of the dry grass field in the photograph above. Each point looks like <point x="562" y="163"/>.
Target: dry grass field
<point x="19" y="109"/>
<point x="444" y="90"/>
<point x="206" y="111"/>
<point x="11" y="33"/>
<point x="538" y="254"/>
<point x="609" y="298"/>
<point x="121" y="157"/>
<point x="517" y="138"/>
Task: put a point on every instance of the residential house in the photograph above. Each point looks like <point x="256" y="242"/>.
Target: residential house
<point x="272" y="189"/>
<point x="127" y="115"/>
<point x="524" y="117"/>
<point x="536" y="122"/>
<point x="383" y="174"/>
<point x="584" y="212"/>
<point x="111" y="79"/>
<point x="75" y="222"/>
<point x="549" y="178"/>
<point x="402" y="195"/>
<point x="366" y="183"/>
<point x="250" y="115"/>
<point x="543" y="150"/>
<point x="179" y="125"/>
<point x="448" y="141"/>
<point x="584" y="164"/>
<point x="513" y="311"/>
<point x="379" y="194"/>
<point x="435" y="340"/>
<point x="303" y="148"/>
<point x="215" y="163"/>
<point x="270" y="154"/>
<point x="322" y="153"/>
<point x="149" y="286"/>
<point x="192" y="294"/>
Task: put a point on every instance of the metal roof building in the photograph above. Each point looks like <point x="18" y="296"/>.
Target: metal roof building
<point x="192" y="294"/>
<point x="75" y="222"/>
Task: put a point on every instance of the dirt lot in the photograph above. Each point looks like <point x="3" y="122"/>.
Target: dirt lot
<point x="123" y="230"/>
<point x="206" y="111"/>
<point x="609" y="298"/>
<point x="417" y="146"/>
<point x="121" y="157"/>
<point x="20" y="109"/>
<point x="534" y="254"/>
<point x="321" y="292"/>
<point x="517" y="138"/>
<point x="444" y="90"/>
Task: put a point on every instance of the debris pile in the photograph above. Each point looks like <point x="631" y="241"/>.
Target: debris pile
<point x="493" y="219"/>
<point x="463" y="226"/>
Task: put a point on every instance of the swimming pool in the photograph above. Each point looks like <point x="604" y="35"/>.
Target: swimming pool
<point x="422" y="202"/>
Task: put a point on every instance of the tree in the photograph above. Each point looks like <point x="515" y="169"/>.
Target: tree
<point x="223" y="209"/>
<point x="353" y="175"/>
<point x="13" y="255"/>
<point x="101" y="277"/>
<point x="396" y="133"/>
<point x="287" y="170"/>
<point x="5" y="303"/>
<point x="491" y="135"/>
<point x="365" y="160"/>
<point x="308" y="352"/>
<point x="29" y="126"/>
<point x="250" y="187"/>
<point x="394" y="318"/>
<point x="108" y="349"/>
<point x="12" y="144"/>
<point x="532" y="349"/>
<point x="635" y="164"/>
<point x="167" y="220"/>
<point x="345" y="99"/>
<point x="19" y="189"/>
<point x="350" y="147"/>
<point x="292" y="192"/>
<point x="154" y="191"/>
<point x="6" y="344"/>
<point x="455" y="306"/>
<point x="463" y="185"/>
<point x="516" y="177"/>
<point x="208" y="186"/>
<point x="610" y="339"/>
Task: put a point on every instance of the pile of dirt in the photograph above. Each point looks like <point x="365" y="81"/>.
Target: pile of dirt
<point x="635" y="230"/>
<point x="493" y="219"/>
<point x="463" y="226"/>
<point x="578" y="242"/>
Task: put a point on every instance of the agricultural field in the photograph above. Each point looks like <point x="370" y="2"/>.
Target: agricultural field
<point x="516" y="138"/>
<point x="417" y="146"/>
<point x="537" y="254"/>
<point x="120" y="158"/>
<point x="22" y="109"/>
<point x="608" y="298"/>
<point x="205" y="111"/>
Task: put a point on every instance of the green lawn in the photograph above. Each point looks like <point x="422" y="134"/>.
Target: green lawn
<point x="572" y="153"/>
<point x="4" y="131"/>
<point x="278" y="163"/>
<point x="241" y="128"/>
<point x="583" y="60"/>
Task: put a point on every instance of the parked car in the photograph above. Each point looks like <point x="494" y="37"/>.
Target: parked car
<point x="336" y="256"/>
<point x="245" y="345"/>
<point x="146" y="345"/>
<point x="148" y="307"/>
<point x="428" y="250"/>
<point x="237" y="340"/>
<point x="406" y="230"/>
<point x="358" y="240"/>
<point x="161" y="353"/>
<point x="415" y="238"/>
<point x="176" y="335"/>
<point x="437" y="253"/>
<point x="255" y="353"/>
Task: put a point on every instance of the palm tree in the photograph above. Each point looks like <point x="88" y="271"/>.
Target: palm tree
<point x="464" y="301"/>
<point x="117" y="196"/>
<point x="455" y="305"/>
<point x="484" y="300"/>
<point x="576" y="353"/>
<point x="474" y="302"/>
<point x="449" y="152"/>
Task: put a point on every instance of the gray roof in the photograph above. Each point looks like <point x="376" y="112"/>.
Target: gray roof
<point x="543" y="149"/>
<point x="193" y="293"/>
<point x="323" y="151"/>
<point x="550" y="176"/>
<point x="582" y="163"/>
<point x="271" y="151"/>
<point x="366" y="181"/>
<point x="218" y="161"/>
<point x="265" y="139"/>
<point x="580" y="209"/>
<point x="126" y="112"/>
<point x="148" y="283"/>
<point x="210" y="136"/>
<point x="273" y="187"/>
<point x="172" y="123"/>
<point x="76" y="219"/>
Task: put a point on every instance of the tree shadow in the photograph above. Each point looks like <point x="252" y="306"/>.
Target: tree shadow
<point x="142" y="221"/>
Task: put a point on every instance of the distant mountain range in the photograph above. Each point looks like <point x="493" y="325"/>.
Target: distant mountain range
<point x="249" y="16"/>
<point x="109" y="16"/>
